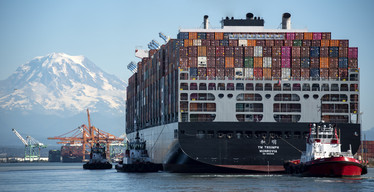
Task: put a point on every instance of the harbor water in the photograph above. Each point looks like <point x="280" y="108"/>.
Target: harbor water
<point x="72" y="177"/>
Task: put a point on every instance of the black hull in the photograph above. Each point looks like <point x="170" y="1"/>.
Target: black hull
<point x="97" y="166"/>
<point x="245" y="147"/>
<point x="72" y="159"/>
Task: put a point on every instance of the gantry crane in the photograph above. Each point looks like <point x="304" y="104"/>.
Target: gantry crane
<point x="87" y="136"/>
<point x="32" y="146"/>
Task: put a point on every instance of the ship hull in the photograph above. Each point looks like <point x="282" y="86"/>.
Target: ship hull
<point x="333" y="167"/>
<point x="232" y="146"/>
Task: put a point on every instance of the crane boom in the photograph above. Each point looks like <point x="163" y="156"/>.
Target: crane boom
<point x="20" y="137"/>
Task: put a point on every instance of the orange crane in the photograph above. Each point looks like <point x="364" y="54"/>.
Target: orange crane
<point x="87" y="136"/>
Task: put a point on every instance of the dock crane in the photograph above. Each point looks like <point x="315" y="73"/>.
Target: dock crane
<point x="32" y="147"/>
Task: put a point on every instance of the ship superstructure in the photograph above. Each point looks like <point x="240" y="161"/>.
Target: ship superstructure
<point x="242" y="97"/>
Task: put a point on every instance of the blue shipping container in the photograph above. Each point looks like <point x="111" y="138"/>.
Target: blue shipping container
<point x="334" y="52"/>
<point x="201" y="35"/>
<point x="193" y="71"/>
<point x="182" y="35"/>
<point x="314" y="73"/>
<point x="343" y="62"/>
<point x="305" y="62"/>
<point x="314" y="51"/>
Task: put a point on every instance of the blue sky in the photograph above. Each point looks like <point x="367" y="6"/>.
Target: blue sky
<point x="107" y="32"/>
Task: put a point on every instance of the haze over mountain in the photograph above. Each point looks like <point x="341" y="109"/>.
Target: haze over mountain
<point x="49" y="95"/>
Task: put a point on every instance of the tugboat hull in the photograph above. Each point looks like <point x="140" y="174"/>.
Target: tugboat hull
<point x="139" y="168"/>
<point x="334" y="167"/>
<point x="97" y="166"/>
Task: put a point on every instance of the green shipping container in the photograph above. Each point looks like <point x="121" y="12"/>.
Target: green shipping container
<point x="298" y="43"/>
<point x="248" y="62"/>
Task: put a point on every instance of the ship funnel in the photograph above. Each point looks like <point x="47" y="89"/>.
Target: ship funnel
<point x="286" y="21"/>
<point x="249" y="16"/>
<point x="206" y="21"/>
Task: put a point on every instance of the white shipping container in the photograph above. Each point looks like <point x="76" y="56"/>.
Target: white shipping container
<point x="248" y="73"/>
<point x="286" y="73"/>
<point x="201" y="61"/>
<point x="239" y="73"/>
<point x="243" y="42"/>
<point x="196" y="42"/>
<point x="258" y="51"/>
<point x="266" y="62"/>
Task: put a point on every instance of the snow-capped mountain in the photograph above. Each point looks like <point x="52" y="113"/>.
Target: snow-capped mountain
<point x="62" y="84"/>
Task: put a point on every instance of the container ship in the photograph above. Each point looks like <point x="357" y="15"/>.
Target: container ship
<point x="71" y="153"/>
<point x="241" y="98"/>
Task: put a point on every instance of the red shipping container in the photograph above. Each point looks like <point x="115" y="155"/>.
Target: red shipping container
<point x="295" y="63"/>
<point x="314" y="62"/>
<point x="326" y="35"/>
<point x="324" y="51"/>
<point x="353" y="52"/>
<point x="257" y="73"/>
<point x="305" y="73"/>
<point x="202" y="72"/>
<point x="220" y="73"/>
<point x="296" y="73"/>
<point x="211" y="73"/>
<point x="317" y="36"/>
<point x="304" y="52"/>
<point x="267" y="73"/>
<point x="343" y="43"/>
<point x="288" y="43"/>
<point x="276" y="62"/>
<point x="266" y="51"/>
<point x="230" y="72"/>
<point x="238" y="51"/>
<point x="233" y="42"/>
<point x="343" y="51"/>
<point x="229" y="51"/>
<point x="211" y="51"/>
<point x="286" y="63"/>
<point x="333" y="62"/>
<point x="220" y="62"/>
<point x="205" y="42"/>
<point x="278" y="43"/>
<point x="210" y="36"/>
<point x="269" y="43"/>
<point x="296" y="52"/>
<point x="249" y="51"/>
<point x="299" y="36"/>
<point x="290" y="36"/>
<point x="352" y="63"/>
<point x="238" y="62"/>
<point x="220" y="51"/>
<point x="192" y="51"/>
<point x="214" y="43"/>
<point x="211" y="61"/>
<point x="343" y="73"/>
<point x="307" y="43"/>
<point x="324" y="73"/>
<point x="192" y="61"/>
<point x="276" y="73"/>
<point x="276" y="52"/>
<point x="183" y="63"/>
<point x="333" y="73"/>
<point x="260" y="43"/>
<point x="257" y="62"/>
<point x="286" y="52"/>
<point x="316" y="43"/>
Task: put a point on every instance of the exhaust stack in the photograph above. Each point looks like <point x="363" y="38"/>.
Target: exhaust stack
<point x="286" y="21"/>
<point x="206" y="21"/>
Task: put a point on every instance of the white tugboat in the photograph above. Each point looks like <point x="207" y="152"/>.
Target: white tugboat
<point x="136" y="158"/>
<point x="98" y="159"/>
<point x="323" y="156"/>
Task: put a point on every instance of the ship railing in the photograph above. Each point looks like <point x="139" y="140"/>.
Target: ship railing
<point x="268" y="79"/>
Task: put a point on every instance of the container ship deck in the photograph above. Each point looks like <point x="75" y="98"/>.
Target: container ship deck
<point x="241" y="98"/>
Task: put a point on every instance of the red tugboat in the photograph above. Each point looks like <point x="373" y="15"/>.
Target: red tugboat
<point x="323" y="156"/>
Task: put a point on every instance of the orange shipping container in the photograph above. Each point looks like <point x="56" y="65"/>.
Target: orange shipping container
<point x="218" y="36"/>
<point x="192" y="35"/>
<point x="334" y="43"/>
<point x="229" y="62"/>
<point x="201" y="51"/>
<point x="325" y="43"/>
<point x="258" y="62"/>
<point x="308" y="36"/>
<point x="324" y="62"/>
<point x="251" y="42"/>
<point x="188" y="42"/>
<point x="267" y="73"/>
